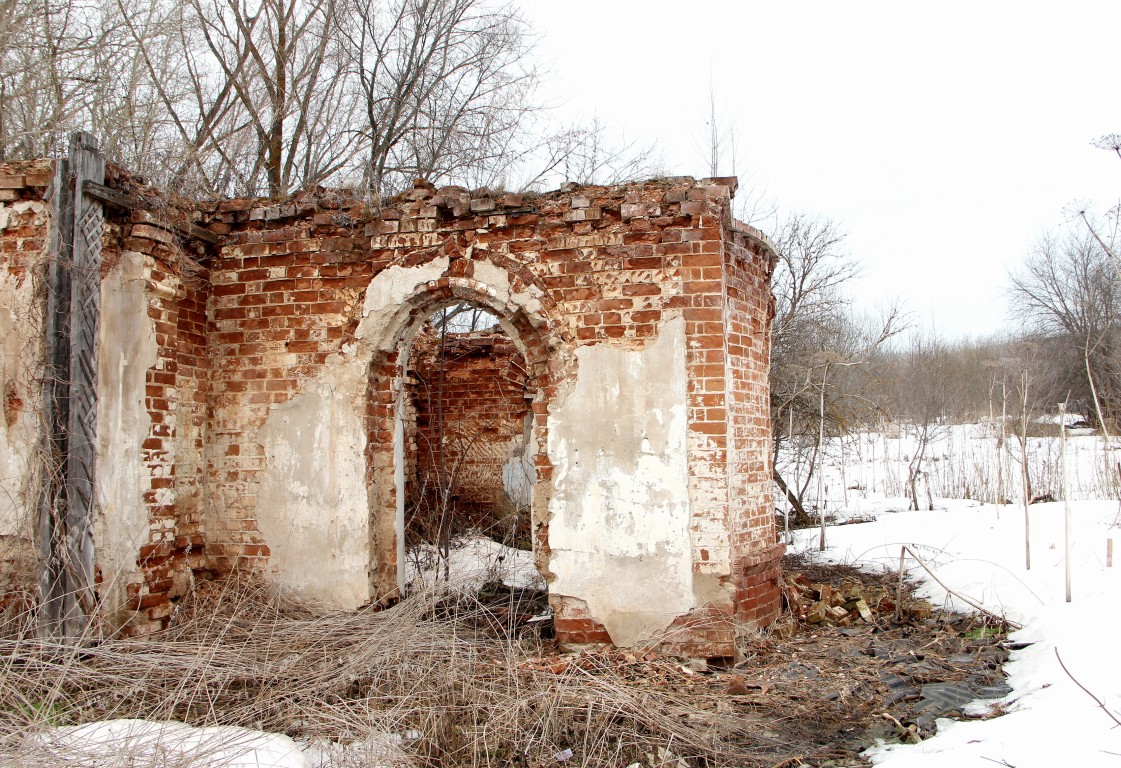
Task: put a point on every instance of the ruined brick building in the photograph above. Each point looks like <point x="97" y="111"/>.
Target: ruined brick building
<point x="253" y="398"/>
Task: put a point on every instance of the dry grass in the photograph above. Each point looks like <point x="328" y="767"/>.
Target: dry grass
<point x="441" y="667"/>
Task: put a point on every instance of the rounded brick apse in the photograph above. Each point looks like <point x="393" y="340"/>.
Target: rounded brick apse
<point x="257" y="409"/>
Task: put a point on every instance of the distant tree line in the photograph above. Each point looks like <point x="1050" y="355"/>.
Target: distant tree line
<point x="835" y="372"/>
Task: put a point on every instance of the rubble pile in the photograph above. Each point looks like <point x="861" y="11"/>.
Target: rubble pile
<point x="847" y="604"/>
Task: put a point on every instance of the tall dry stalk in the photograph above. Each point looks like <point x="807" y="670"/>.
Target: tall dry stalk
<point x="438" y="669"/>
<point x="1025" y="477"/>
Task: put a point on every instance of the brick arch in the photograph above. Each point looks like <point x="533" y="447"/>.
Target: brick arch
<point x="462" y="280"/>
<point x="536" y="333"/>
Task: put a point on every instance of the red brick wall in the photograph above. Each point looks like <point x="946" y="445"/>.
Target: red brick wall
<point x="749" y="310"/>
<point x="609" y="264"/>
<point x="285" y="295"/>
<point x="245" y="327"/>
<point x="176" y="398"/>
<point x="484" y="408"/>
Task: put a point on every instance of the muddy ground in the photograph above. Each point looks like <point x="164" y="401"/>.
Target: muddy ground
<point x="818" y="694"/>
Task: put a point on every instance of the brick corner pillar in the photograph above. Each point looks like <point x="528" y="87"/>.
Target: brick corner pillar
<point x="728" y="311"/>
<point x="749" y="260"/>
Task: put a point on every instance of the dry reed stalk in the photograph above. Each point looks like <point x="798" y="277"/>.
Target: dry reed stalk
<point x="436" y="670"/>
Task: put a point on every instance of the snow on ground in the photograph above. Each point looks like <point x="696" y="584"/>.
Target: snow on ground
<point x="961" y="461"/>
<point x="136" y="743"/>
<point x="978" y="551"/>
<point x="475" y="560"/>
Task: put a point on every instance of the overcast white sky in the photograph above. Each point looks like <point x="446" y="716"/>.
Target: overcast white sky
<point x="945" y="137"/>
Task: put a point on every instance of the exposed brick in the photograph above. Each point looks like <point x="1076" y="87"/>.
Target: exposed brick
<point x="283" y="293"/>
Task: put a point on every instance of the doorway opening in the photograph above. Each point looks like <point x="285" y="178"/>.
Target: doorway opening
<point x="468" y="466"/>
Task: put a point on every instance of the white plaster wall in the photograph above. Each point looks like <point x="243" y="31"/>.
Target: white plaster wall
<point x="519" y="477"/>
<point x="126" y="350"/>
<point x="313" y="504"/>
<point x="21" y="370"/>
<point x="619" y="530"/>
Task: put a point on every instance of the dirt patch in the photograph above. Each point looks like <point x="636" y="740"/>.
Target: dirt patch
<point x="838" y="687"/>
<point x="818" y="694"/>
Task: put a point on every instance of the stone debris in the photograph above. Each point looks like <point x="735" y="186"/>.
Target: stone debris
<point x="845" y="605"/>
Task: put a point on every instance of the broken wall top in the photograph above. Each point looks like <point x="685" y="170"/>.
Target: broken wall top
<point x="426" y="208"/>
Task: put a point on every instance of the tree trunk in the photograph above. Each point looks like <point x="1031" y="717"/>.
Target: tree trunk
<point x="800" y="516"/>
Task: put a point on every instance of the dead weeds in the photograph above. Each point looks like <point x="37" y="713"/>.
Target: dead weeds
<point x="470" y="683"/>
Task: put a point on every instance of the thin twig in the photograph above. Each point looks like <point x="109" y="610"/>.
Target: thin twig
<point x="967" y="600"/>
<point x="998" y="762"/>
<point x="1097" y="701"/>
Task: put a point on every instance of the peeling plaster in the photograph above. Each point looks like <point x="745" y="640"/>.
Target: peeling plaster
<point x="387" y="294"/>
<point x="21" y="368"/>
<point x="619" y="531"/>
<point x="314" y="503"/>
<point x="126" y="350"/>
<point x="499" y="280"/>
<point x="313" y="509"/>
<point x="20" y="208"/>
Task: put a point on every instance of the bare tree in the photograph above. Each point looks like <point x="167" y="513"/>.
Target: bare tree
<point x="443" y="87"/>
<point x="1066" y="291"/>
<point x="257" y="96"/>
<point x="46" y="50"/>
<point x="586" y="153"/>
<point x="822" y="353"/>
<point x="716" y="148"/>
<point x="74" y="66"/>
<point x="1107" y="235"/>
<point x="237" y="97"/>
<point x="813" y="267"/>
<point x="923" y="402"/>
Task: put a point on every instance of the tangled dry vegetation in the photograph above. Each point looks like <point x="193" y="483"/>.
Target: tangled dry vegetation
<point x="464" y="686"/>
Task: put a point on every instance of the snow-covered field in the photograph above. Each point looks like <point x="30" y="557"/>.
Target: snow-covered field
<point x="977" y="550"/>
<point x="961" y="461"/>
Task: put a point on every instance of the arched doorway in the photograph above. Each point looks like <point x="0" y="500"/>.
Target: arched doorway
<point x="467" y="430"/>
<point x="423" y="472"/>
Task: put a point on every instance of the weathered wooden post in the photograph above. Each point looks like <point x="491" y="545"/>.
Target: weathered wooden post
<point x="70" y="394"/>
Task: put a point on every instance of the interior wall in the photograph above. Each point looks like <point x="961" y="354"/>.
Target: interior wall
<point x="25" y="233"/>
<point x="482" y="399"/>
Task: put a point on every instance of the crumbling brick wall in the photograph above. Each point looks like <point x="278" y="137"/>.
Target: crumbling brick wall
<point x="152" y="394"/>
<point x="748" y="313"/>
<point x="285" y="293"/>
<point x="175" y="394"/>
<point x="475" y="385"/>
<point x="25" y="222"/>
<point x="610" y="267"/>
<point x="273" y="360"/>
